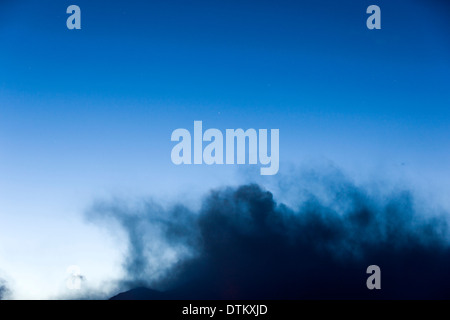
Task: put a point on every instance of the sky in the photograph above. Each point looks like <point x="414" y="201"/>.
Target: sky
<point x="88" y="114"/>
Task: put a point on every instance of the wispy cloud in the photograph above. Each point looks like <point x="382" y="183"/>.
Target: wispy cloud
<point x="5" y="292"/>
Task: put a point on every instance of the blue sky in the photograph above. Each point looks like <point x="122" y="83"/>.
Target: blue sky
<point x="88" y="113"/>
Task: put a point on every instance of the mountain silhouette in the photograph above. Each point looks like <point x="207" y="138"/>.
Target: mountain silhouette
<point x="188" y="291"/>
<point x="141" y="293"/>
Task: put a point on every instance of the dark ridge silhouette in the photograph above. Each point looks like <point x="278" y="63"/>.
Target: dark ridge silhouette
<point x="141" y="293"/>
<point x="245" y="245"/>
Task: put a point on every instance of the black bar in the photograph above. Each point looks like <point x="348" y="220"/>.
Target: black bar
<point x="254" y="309"/>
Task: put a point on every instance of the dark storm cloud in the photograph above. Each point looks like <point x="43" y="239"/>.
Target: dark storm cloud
<point x="254" y="248"/>
<point x="243" y="244"/>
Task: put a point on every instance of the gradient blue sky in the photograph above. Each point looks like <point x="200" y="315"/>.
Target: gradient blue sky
<point x="88" y="113"/>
